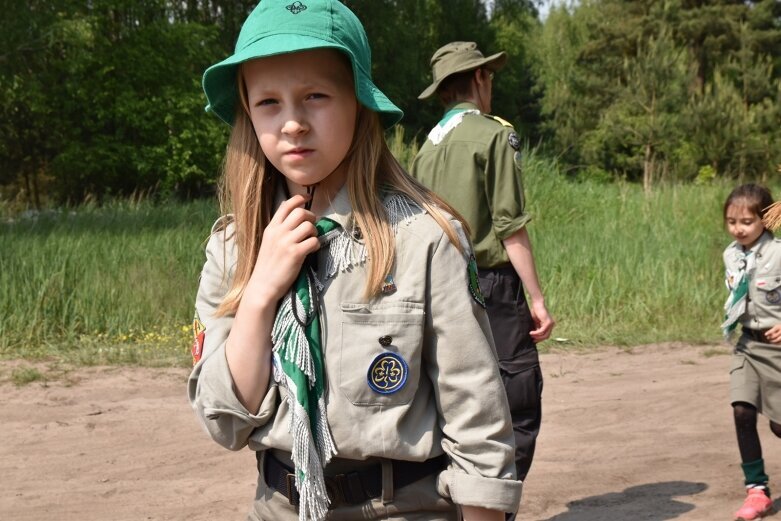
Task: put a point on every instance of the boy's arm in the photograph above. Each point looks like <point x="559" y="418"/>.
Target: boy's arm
<point x="519" y="249"/>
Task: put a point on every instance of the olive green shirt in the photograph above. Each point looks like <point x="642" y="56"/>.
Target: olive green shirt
<point x="476" y="167"/>
<point x="452" y="400"/>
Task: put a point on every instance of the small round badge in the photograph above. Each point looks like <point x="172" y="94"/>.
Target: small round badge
<point x="514" y="140"/>
<point x="387" y="373"/>
<point x="774" y="297"/>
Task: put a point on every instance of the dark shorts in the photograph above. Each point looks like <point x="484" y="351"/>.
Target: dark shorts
<point x="519" y="362"/>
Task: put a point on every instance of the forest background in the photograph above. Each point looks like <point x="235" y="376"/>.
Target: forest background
<point x="638" y="117"/>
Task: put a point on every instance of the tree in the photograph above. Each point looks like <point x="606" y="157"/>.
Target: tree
<point x="644" y="120"/>
<point x="595" y="69"/>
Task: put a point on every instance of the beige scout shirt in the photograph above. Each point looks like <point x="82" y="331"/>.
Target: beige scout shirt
<point x="763" y="309"/>
<point x="453" y="400"/>
<point x="476" y="167"/>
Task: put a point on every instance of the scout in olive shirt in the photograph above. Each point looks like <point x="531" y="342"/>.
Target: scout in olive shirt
<point x="472" y="159"/>
<point x="478" y="154"/>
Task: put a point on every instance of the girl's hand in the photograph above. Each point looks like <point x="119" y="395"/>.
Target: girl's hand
<point x="773" y="334"/>
<point x="289" y="237"/>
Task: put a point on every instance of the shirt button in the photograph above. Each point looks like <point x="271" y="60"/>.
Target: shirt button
<point x="385" y="340"/>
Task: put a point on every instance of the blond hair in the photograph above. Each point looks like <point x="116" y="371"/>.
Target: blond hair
<point x="249" y="182"/>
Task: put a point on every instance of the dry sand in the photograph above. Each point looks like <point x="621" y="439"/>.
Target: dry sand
<point x="640" y="434"/>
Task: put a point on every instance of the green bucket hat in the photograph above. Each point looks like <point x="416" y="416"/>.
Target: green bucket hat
<point x="458" y="57"/>
<point x="286" y="26"/>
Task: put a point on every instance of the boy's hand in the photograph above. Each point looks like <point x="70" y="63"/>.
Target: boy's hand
<point x="773" y="334"/>
<point x="543" y="322"/>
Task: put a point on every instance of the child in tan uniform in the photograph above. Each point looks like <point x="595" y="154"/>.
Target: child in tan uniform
<point x="753" y="277"/>
<point x="341" y="334"/>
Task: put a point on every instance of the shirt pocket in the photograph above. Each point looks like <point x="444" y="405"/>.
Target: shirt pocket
<point x="769" y="289"/>
<point x="380" y="355"/>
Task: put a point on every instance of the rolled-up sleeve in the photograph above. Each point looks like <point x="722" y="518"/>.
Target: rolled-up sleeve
<point x="473" y="412"/>
<point x="504" y="186"/>
<point x="210" y="385"/>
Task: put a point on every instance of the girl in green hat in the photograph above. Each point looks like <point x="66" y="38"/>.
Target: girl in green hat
<point x="341" y="334"/>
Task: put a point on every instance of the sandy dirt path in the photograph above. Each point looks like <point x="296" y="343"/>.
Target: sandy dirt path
<point x="640" y="434"/>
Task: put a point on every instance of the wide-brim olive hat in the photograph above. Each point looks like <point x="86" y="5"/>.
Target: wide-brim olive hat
<point x="458" y="57"/>
<point x="284" y="26"/>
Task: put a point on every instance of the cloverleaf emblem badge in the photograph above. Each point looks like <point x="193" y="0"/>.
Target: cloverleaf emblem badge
<point x="296" y="7"/>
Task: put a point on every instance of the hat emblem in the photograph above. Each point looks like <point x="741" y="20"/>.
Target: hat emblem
<point x="296" y="7"/>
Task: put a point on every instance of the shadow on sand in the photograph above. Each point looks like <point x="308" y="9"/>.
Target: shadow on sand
<point x="650" y="502"/>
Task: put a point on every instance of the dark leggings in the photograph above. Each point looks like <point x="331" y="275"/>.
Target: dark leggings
<point x="746" y="429"/>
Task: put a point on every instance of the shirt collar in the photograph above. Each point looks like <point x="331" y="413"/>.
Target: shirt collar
<point x="763" y="239"/>
<point x="461" y="106"/>
<point x="339" y="210"/>
<point x="456" y="108"/>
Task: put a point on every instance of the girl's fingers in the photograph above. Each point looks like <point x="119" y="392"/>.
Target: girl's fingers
<point x="310" y="245"/>
<point x="303" y="231"/>
<point x="298" y="216"/>
<point x="297" y="201"/>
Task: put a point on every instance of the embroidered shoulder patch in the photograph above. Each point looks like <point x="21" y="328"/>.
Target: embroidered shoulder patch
<point x="514" y="140"/>
<point x="387" y="373"/>
<point x="389" y="286"/>
<point x="474" y="283"/>
<point x="199" y="335"/>
<point x="504" y="122"/>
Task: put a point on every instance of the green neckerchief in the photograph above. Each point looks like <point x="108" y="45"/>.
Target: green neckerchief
<point x="735" y="305"/>
<point x="299" y="368"/>
<point x="450" y="120"/>
<point x="450" y="113"/>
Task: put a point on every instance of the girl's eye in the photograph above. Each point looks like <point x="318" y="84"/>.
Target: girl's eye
<point x="316" y="95"/>
<point x="263" y="102"/>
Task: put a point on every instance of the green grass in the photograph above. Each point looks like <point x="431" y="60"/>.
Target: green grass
<point x="25" y="375"/>
<point x="116" y="284"/>
<point x="622" y="267"/>
<point x="102" y="285"/>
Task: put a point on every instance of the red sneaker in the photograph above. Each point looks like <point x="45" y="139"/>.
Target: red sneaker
<point x="757" y="505"/>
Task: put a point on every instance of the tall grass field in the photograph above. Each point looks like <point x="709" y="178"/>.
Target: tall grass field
<point x="116" y="284"/>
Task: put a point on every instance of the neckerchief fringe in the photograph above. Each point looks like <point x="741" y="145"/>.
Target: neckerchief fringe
<point x="298" y="358"/>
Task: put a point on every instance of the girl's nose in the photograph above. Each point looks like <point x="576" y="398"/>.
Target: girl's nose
<point x="294" y="125"/>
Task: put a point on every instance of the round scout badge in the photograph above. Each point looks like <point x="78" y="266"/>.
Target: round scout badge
<point x="387" y="373"/>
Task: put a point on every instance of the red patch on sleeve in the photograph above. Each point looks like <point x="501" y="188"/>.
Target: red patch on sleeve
<point x="199" y="335"/>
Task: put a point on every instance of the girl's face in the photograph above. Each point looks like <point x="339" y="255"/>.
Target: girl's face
<point x="744" y="225"/>
<point x="303" y="108"/>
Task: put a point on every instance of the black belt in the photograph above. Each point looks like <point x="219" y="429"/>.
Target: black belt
<point x="758" y="335"/>
<point x="352" y="488"/>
